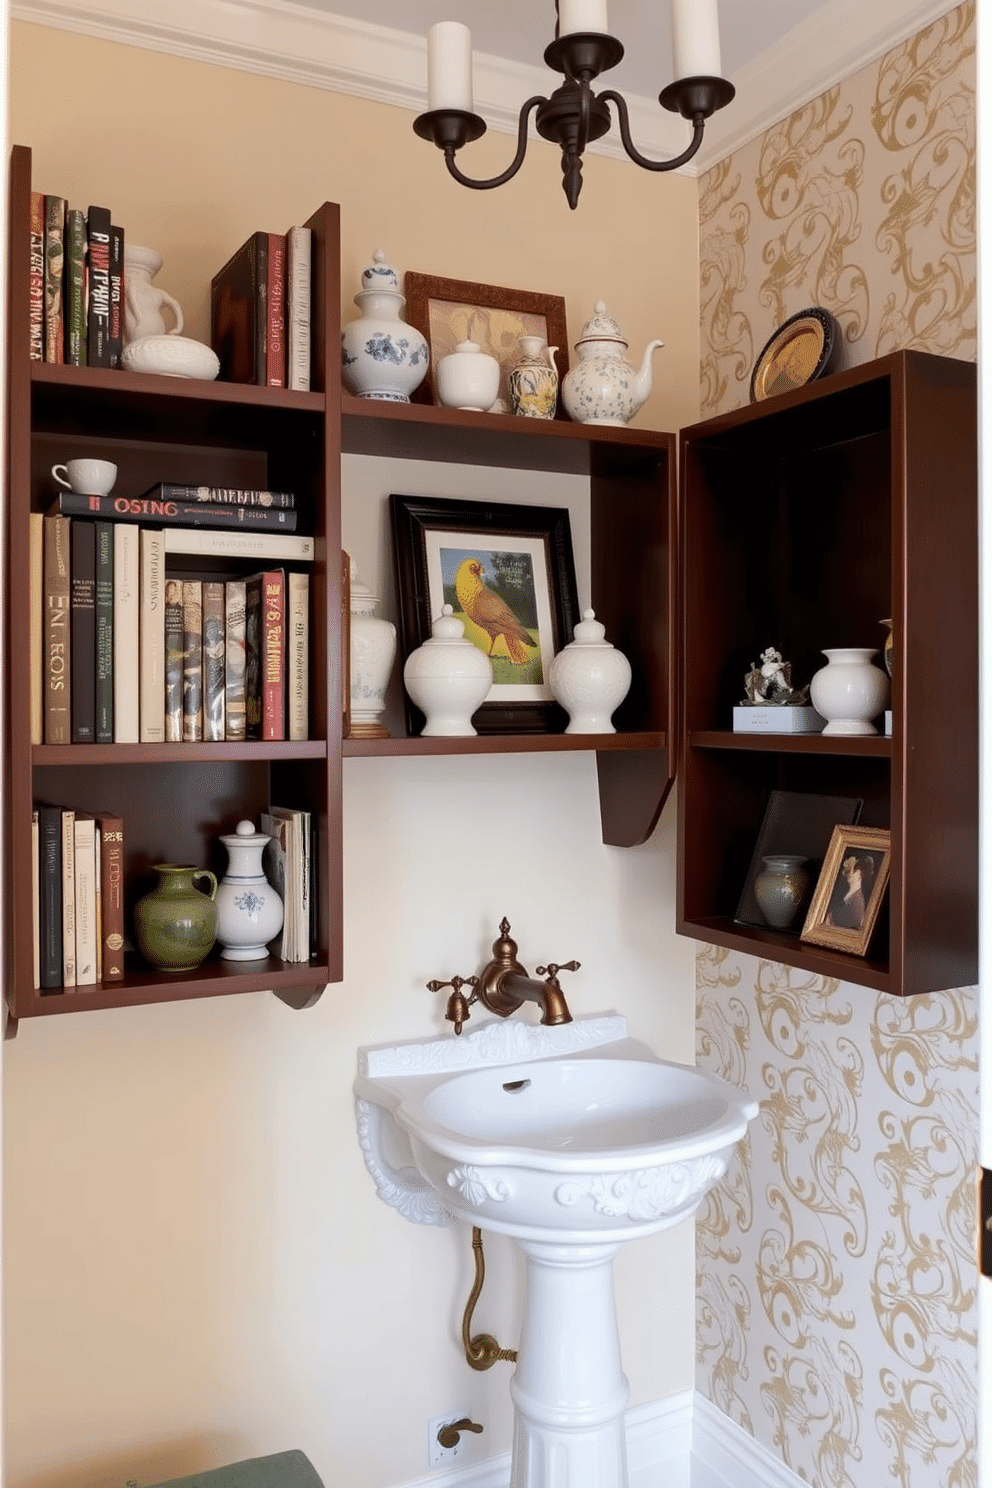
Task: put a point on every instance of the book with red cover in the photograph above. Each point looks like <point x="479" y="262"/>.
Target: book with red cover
<point x="275" y="362"/>
<point x="82" y="604"/>
<point x="265" y="654"/>
<point x="239" y="326"/>
<point x="111" y="895"/>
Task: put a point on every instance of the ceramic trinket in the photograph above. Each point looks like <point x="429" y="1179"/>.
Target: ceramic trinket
<point x="780" y="888"/>
<point x="533" y="380"/>
<point x="381" y="355"/>
<point x="151" y="346"/>
<point x="468" y="378"/>
<point x="448" y="678"/>
<point x="175" y="926"/>
<point x="849" y="691"/>
<point x="590" y="678"/>
<point x="249" y="910"/>
<point x="373" y="650"/>
<point x="603" y="387"/>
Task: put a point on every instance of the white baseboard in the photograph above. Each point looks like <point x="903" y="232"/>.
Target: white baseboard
<point x="682" y="1441"/>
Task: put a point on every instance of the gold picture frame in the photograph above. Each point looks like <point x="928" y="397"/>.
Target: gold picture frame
<point x="849" y="892"/>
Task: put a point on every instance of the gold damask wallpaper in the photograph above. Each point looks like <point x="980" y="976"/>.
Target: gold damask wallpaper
<point x="863" y="202"/>
<point x="836" y="1271"/>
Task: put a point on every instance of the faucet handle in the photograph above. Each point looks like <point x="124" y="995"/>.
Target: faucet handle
<point x="458" y="1005"/>
<point x="552" y="969"/>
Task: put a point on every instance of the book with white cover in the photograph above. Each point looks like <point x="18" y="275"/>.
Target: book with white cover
<point x="235" y="543"/>
<point x="85" y="887"/>
<point x="298" y="256"/>
<point x="152" y="636"/>
<point x="127" y="621"/>
<point x="278" y="860"/>
<point x="777" y="720"/>
<point x="68" y="898"/>
<point x="298" y="655"/>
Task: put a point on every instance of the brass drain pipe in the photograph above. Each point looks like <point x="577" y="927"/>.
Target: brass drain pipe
<point x="483" y="1351"/>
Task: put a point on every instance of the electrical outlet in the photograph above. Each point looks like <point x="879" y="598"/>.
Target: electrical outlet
<point x="438" y="1456"/>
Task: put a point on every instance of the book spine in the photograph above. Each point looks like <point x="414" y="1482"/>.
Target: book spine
<point x="234" y="658"/>
<point x="214" y="663"/>
<point x="36" y="899"/>
<point x="298" y="654"/>
<point x="274" y="655"/>
<point x="173" y="621"/>
<point x="68" y="898"/>
<point x="57" y="632"/>
<point x="298" y="256"/>
<point x="104" y="668"/>
<point x="262" y="547"/>
<point x="50" y="896"/>
<point x="98" y="286"/>
<point x="116" y="294"/>
<point x="36" y="628"/>
<point x="221" y="495"/>
<point x="261" y="320"/>
<point x="85" y="888"/>
<point x="276" y="311"/>
<point x="238" y="321"/>
<point x="75" y="288"/>
<point x="127" y="564"/>
<point x="253" y="657"/>
<point x="151" y="636"/>
<point x="55" y="209"/>
<point x="192" y="660"/>
<point x="175" y="513"/>
<point x="82" y="539"/>
<point x="99" y="906"/>
<point x="112" y="897"/>
<point x="36" y="279"/>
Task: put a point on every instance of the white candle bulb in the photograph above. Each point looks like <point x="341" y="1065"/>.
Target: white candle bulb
<point x="449" y="66"/>
<point x="696" y="38"/>
<point x="582" y="15"/>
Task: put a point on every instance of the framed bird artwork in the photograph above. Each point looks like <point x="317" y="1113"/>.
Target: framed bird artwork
<point x="509" y="575"/>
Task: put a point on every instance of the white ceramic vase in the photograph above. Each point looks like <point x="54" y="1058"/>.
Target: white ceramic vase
<point x="373" y="650"/>
<point x="249" y="911"/>
<point x="849" y="692"/>
<point x="448" y="678"/>
<point x="468" y="378"/>
<point x="143" y="300"/>
<point x="590" y="678"/>
<point x="381" y="355"/>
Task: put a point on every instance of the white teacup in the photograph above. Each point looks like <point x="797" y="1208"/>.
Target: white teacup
<point x="87" y="477"/>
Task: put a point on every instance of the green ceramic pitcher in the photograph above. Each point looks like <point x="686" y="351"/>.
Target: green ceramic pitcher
<point x="175" y="925"/>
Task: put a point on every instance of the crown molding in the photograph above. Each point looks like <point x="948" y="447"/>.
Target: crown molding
<point x="299" y="44"/>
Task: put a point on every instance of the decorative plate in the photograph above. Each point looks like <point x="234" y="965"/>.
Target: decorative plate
<point x="799" y="351"/>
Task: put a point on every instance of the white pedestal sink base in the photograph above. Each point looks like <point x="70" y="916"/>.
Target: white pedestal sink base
<point x="569" y="1390"/>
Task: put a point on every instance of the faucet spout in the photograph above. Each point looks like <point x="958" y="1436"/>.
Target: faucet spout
<point x="504" y="984"/>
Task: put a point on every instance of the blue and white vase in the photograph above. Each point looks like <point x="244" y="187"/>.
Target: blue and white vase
<point x="381" y="356"/>
<point x="249" y="910"/>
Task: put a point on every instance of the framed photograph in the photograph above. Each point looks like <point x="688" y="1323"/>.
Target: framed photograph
<point x="448" y="311"/>
<point x="799" y="823"/>
<point x="850" y="889"/>
<point x="801" y="350"/>
<point x="508" y="573"/>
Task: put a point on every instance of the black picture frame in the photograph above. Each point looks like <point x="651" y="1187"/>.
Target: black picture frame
<point x="419" y="526"/>
<point x="799" y="822"/>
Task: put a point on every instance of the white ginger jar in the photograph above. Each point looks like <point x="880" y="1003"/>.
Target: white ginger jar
<point x="468" y="378"/>
<point x="448" y="678"/>
<point x="590" y="678"/>
<point x="849" y="692"/>
<point x="373" y="650"/>
<point x="381" y="356"/>
<point x="249" y="911"/>
<point x="603" y="387"/>
<point x="533" y="380"/>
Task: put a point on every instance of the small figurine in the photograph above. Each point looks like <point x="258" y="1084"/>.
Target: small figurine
<point x="769" y="683"/>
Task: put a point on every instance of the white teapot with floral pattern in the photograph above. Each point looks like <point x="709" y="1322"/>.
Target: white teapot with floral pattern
<point x="603" y="387"/>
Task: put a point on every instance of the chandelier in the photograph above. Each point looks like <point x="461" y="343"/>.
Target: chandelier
<point x="574" y="115"/>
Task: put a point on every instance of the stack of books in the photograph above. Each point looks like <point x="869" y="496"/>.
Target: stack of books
<point x="290" y="865"/>
<point x="127" y="650"/>
<point x="76" y="284"/>
<point x="78" y="898"/>
<point x="260" y="311"/>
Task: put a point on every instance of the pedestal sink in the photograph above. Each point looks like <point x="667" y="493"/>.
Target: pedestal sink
<point x="572" y="1140"/>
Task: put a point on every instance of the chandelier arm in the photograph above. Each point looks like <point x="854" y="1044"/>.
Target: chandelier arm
<point x="623" y="119"/>
<point x="516" y="162"/>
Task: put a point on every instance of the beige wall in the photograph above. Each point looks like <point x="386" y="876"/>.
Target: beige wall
<point x="836" y="1310"/>
<point x="197" y="1267"/>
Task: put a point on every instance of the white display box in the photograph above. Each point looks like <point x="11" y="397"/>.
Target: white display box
<point x="784" y="720"/>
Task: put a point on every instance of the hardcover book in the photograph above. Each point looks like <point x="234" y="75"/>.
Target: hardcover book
<point x="68" y="898"/>
<point x="127" y="607"/>
<point x="36" y="899"/>
<point x="192" y="660"/>
<point x="84" y="830"/>
<point x="36" y="626"/>
<point x="98" y="287"/>
<point x="82" y="540"/>
<point x="50" y="897"/>
<point x="75" y="287"/>
<point x="277" y="858"/>
<point x="275" y="363"/>
<point x="175" y="513"/>
<point x="298" y="654"/>
<point x="263" y="547"/>
<point x="57" y="632"/>
<point x="298" y="256"/>
<point x="111" y="896"/>
<point x="36" y="280"/>
<point x="238" y="312"/>
<point x="234" y="652"/>
<point x="104" y="535"/>
<point x="116" y="294"/>
<point x="214" y="661"/>
<point x="265" y="652"/>
<point x="173" y="660"/>
<point x="151" y="636"/>
<point x="55" y="209"/>
<point x="221" y="495"/>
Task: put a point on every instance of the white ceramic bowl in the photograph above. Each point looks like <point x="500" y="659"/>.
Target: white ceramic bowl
<point x="171" y="356"/>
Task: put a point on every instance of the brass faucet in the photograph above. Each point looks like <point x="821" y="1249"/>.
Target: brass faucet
<point x="503" y="985"/>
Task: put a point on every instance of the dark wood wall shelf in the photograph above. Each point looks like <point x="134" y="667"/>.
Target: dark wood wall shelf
<point x="503" y="744"/>
<point x="805" y="520"/>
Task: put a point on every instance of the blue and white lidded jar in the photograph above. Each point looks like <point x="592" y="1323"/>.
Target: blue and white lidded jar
<point x="381" y="356"/>
<point x="249" y="911"/>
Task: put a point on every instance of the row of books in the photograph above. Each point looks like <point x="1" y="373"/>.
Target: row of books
<point x="76" y="284"/>
<point x="78" y="898"/>
<point x="290" y="863"/>
<point x="260" y="306"/>
<point x="124" y="651"/>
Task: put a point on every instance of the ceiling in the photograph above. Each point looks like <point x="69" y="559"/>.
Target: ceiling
<point x="520" y="29"/>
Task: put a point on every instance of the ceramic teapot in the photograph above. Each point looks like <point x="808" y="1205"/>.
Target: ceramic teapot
<point x="603" y="388"/>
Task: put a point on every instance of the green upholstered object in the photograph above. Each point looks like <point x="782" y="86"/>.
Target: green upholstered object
<point x="281" y="1470"/>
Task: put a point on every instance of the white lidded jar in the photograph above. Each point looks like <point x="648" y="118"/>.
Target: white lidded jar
<point x="381" y="356"/>
<point x="590" y="678"/>
<point x="249" y="911"/>
<point x="849" y="692"/>
<point x="448" y="678"/>
<point x="373" y="650"/>
<point x="468" y="378"/>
